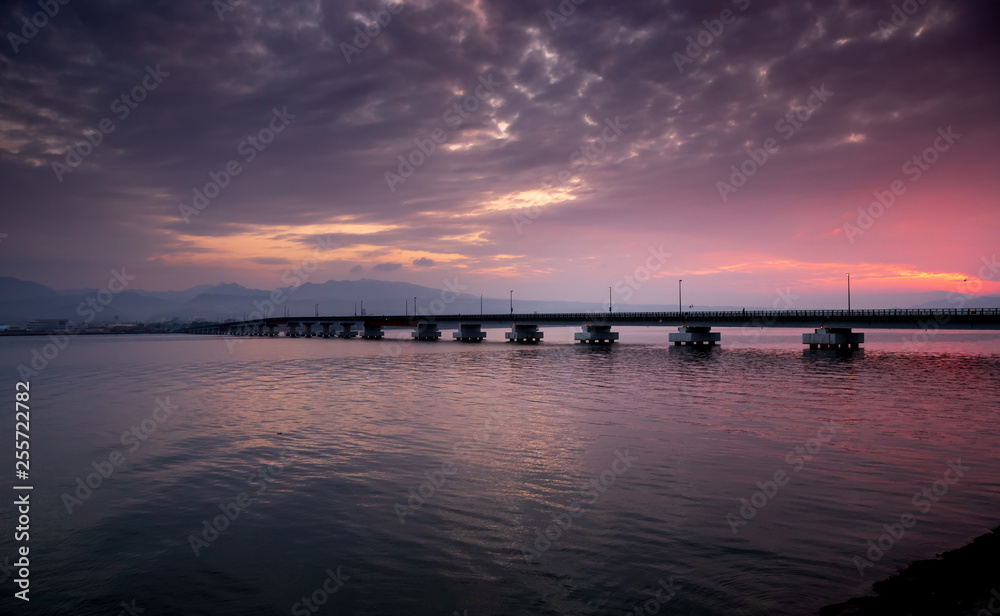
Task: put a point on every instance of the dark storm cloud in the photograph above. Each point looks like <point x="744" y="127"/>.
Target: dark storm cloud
<point x="685" y="121"/>
<point x="387" y="267"/>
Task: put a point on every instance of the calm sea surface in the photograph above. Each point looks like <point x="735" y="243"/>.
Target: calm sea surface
<point x="435" y="478"/>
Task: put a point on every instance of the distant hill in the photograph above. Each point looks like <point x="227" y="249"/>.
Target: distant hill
<point x="989" y="301"/>
<point x="12" y="289"/>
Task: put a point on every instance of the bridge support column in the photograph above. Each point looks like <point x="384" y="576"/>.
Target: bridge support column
<point x="426" y="331"/>
<point x="469" y="332"/>
<point x="325" y="331"/>
<point x="372" y="332"/>
<point x="308" y="333"/>
<point x="291" y="330"/>
<point x="271" y="331"/>
<point x="596" y="333"/>
<point x="695" y="335"/>
<point x="346" y="330"/>
<point x="833" y="338"/>
<point x="523" y="333"/>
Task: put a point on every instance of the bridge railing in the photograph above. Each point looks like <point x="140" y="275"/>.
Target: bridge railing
<point x="736" y="316"/>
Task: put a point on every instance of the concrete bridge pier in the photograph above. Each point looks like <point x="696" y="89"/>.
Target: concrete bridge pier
<point x="833" y="338"/>
<point x="596" y="334"/>
<point x="426" y="331"/>
<point x="325" y="332"/>
<point x="469" y="332"/>
<point x="291" y="330"/>
<point x="307" y="327"/>
<point x="346" y="330"/>
<point x="372" y="332"/>
<point x="523" y="333"/>
<point x="695" y="335"/>
<point x="271" y="330"/>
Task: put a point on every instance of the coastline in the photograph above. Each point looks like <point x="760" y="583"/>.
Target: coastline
<point x="964" y="581"/>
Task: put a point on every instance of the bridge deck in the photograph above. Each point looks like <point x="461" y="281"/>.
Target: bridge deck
<point x="956" y="319"/>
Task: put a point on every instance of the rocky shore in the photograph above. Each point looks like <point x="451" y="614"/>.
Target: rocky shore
<point x="962" y="582"/>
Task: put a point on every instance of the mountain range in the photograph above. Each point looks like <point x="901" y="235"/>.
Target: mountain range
<point x="22" y="301"/>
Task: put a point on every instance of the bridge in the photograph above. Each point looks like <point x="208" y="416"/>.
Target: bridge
<point x="832" y="328"/>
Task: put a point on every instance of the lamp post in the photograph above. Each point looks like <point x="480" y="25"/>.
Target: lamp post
<point x="480" y="304"/>
<point x="610" y="303"/>
<point x="406" y="307"/>
<point x="362" y="307"/>
<point x="355" y="308"/>
<point x="317" y="309"/>
<point x="848" y="293"/>
<point x="512" y="301"/>
<point x="680" y="309"/>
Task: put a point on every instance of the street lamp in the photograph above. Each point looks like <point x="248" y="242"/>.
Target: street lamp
<point x="848" y="293"/>
<point x="406" y="307"/>
<point x="609" y="300"/>
<point x="680" y="309"/>
<point x="355" y="308"/>
<point x="512" y="301"/>
<point x="480" y="304"/>
<point x="362" y="307"/>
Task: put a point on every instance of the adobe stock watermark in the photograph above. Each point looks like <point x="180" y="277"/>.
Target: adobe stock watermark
<point x="104" y="469"/>
<point x="566" y="10"/>
<point x="319" y="597"/>
<point x="993" y="605"/>
<point x="454" y="117"/>
<point x="914" y="168"/>
<point x="987" y="272"/>
<point x="129" y="608"/>
<point x="450" y="291"/>
<point x="581" y="158"/>
<point x="787" y="126"/>
<point x="899" y="17"/>
<point x="122" y="107"/>
<point x="211" y="530"/>
<point x="88" y="309"/>
<point x="436" y="480"/>
<point x="362" y="39"/>
<point x="249" y="148"/>
<point x="783" y="301"/>
<point x="294" y="278"/>
<point x="796" y="459"/>
<point x="894" y="531"/>
<point x="590" y="493"/>
<point x="626" y="286"/>
<point x="225" y="6"/>
<point x="30" y="27"/>
<point x="711" y="32"/>
<point x="653" y="605"/>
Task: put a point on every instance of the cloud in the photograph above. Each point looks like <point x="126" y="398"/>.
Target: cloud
<point x="387" y="267"/>
<point x="538" y="144"/>
<point x="423" y="262"/>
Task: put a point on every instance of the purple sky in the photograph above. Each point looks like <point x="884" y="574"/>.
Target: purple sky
<point x="570" y="148"/>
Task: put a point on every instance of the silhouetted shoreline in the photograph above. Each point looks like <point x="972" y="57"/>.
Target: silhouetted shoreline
<point x="960" y="582"/>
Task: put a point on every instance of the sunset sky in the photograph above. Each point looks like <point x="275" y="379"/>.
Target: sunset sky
<point x="563" y="145"/>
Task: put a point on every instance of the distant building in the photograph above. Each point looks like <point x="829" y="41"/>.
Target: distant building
<point x="48" y="325"/>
